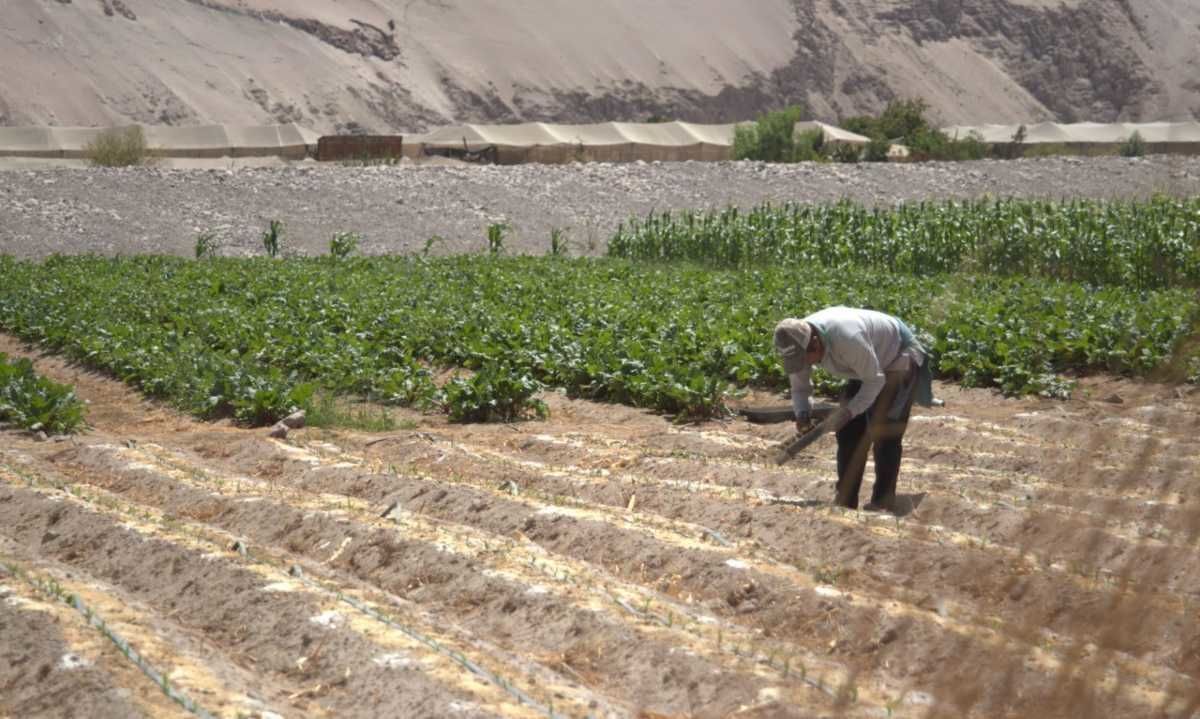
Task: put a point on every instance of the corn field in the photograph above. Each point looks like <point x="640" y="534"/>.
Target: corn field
<point x="1141" y="245"/>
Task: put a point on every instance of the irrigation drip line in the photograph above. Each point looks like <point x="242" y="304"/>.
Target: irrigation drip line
<point x="240" y="548"/>
<point x="457" y="657"/>
<point x="752" y="655"/>
<point x="53" y="589"/>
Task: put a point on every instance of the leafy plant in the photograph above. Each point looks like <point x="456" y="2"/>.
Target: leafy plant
<point x="1134" y="145"/>
<point x="494" y="393"/>
<point x="271" y="238"/>
<point x="118" y="147"/>
<point x="809" y="146"/>
<point x="770" y="138"/>
<point x="343" y="244"/>
<point x="558" y="242"/>
<point x="431" y="243"/>
<point x="206" y="245"/>
<point x="1143" y="245"/>
<point x="876" y="151"/>
<point x="251" y="338"/>
<point x="495" y="237"/>
<point x="845" y="152"/>
<point x="34" y="402"/>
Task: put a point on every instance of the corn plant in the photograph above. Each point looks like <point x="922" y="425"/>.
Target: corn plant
<point x="558" y="242"/>
<point x="343" y="244"/>
<point x="206" y="245"/>
<point x="1141" y="245"/>
<point x="271" y="238"/>
<point x="495" y="237"/>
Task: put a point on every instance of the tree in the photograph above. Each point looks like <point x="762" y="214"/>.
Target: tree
<point x="770" y="138"/>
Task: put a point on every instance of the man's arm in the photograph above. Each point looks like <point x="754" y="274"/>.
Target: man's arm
<point x="859" y="355"/>
<point x="802" y="397"/>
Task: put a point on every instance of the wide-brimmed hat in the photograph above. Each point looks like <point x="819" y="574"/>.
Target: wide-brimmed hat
<point x="791" y="342"/>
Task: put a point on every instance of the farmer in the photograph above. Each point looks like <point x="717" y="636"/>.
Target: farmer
<point x="887" y="369"/>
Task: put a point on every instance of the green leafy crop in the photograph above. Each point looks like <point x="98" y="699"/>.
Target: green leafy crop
<point x="34" y="402"/>
<point x="251" y="338"/>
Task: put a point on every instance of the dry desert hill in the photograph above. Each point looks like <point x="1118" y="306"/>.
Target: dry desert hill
<point x="395" y="65"/>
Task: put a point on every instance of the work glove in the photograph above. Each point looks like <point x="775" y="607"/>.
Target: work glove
<point x="837" y="419"/>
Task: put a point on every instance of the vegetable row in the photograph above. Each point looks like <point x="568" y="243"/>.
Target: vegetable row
<point x="253" y="338"/>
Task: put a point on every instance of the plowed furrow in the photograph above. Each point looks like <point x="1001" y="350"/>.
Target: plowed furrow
<point x="349" y="536"/>
<point x="299" y="640"/>
<point x="52" y="659"/>
<point x="1136" y="522"/>
<point x="419" y="632"/>
<point x="339" y="465"/>
<point x="1094" y="599"/>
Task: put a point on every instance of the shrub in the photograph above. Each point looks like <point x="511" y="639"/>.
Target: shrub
<point x="1014" y="148"/>
<point x="863" y="125"/>
<point x="931" y="144"/>
<point x="34" y="402"/>
<point x="809" y="146"/>
<point x="771" y="138"/>
<point x="904" y="119"/>
<point x="343" y="244"/>
<point x="843" y="152"/>
<point x="118" y="147"/>
<point x="876" y="151"/>
<point x="1135" y="146"/>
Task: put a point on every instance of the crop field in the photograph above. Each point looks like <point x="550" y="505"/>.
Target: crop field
<point x="622" y="544"/>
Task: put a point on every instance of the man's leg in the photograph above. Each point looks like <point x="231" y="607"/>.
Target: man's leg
<point x="888" y="437"/>
<point x="853" y="441"/>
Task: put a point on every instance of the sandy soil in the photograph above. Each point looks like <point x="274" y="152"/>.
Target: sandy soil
<point x="608" y="563"/>
<point x="403" y="65"/>
<point x="399" y="208"/>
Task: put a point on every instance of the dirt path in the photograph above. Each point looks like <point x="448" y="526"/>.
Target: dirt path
<point x="608" y="563"/>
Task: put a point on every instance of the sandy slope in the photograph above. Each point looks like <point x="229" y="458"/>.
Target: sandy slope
<point x="406" y="64"/>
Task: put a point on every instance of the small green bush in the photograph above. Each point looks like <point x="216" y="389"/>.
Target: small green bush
<point x="843" y="152"/>
<point x="34" y="402"/>
<point x="876" y="151"/>
<point x="809" y="146"/>
<point x="1135" y="146"/>
<point x="770" y="138"/>
<point x="118" y="147"/>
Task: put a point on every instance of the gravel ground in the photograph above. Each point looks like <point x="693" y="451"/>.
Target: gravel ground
<point x="398" y="208"/>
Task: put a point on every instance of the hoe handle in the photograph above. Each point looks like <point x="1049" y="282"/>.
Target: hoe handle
<point x="792" y="447"/>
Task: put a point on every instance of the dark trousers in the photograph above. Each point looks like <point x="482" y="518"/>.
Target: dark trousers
<point x="873" y="429"/>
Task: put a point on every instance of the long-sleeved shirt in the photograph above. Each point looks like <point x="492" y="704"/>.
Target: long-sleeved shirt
<point x="859" y="344"/>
